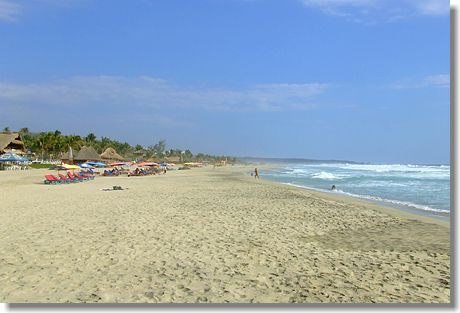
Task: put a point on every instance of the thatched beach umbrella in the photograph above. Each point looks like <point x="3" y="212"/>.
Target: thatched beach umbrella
<point x="110" y="154"/>
<point x="12" y="142"/>
<point x="87" y="154"/>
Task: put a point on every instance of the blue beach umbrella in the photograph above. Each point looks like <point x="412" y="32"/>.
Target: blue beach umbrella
<point x="86" y="165"/>
<point x="96" y="164"/>
<point x="11" y="157"/>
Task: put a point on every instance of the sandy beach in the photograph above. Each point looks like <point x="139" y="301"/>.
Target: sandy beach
<point x="211" y="235"/>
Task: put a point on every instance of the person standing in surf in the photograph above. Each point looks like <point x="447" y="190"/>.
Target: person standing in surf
<point x="256" y="173"/>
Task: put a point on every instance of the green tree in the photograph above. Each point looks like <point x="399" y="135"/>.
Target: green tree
<point x="187" y="156"/>
<point x="159" y="148"/>
<point x="90" y="139"/>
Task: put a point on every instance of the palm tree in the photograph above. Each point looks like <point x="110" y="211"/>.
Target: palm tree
<point x="90" y="139"/>
<point x="74" y="141"/>
<point x="105" y="143"/>
<point x="39" y="144"/>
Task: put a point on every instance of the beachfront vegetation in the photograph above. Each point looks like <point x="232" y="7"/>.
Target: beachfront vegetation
<point x="44" y="165"/>
<point x="50" y="146"/>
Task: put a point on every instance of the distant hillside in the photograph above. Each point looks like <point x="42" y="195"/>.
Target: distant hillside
<point x="291" y="160"/>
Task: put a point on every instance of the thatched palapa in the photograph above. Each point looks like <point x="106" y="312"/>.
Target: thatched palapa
<point x="84" y="155"/>
<point x="173" y="159"/>
<point x="87" y="154"/>
<point x="154" y="159"/>
<point x="110" y="154"/>
<point x="11" y="142"/>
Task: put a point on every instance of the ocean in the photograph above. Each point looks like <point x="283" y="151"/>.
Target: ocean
<point x="420" y="189"/>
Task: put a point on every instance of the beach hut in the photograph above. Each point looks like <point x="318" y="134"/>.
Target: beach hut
<point x="68" y="157"/>
<point x="154" y="160"/>
<point x="86" y="154"/>
<point x="65" y="157"/>
<point x="172" y="159"/>
<point x="140" y="154"/>
<point x="12" y="143"/>
<point x="111" y="155"/>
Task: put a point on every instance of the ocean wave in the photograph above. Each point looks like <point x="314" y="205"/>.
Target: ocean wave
<point x="397" y="202"/>
<point x="378" y="199"/>
<point x="295" y="172"/>
<point x="381" y="183"/>
<point x="382" y="168"/>
<point x="327" y="176"/>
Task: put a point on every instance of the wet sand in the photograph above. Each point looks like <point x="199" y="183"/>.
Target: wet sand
<point x="211" y="235"/>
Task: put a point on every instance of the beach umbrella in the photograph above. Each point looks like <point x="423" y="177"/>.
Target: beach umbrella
<point x="120" y="163"/>
<point x="58" y="168"/>
<point x="96" y="164"/>
<point x="70" y="167"/>
<point x="147" y="164"/>
<point x="12" y="157"/>
<point x="86" y="165"/>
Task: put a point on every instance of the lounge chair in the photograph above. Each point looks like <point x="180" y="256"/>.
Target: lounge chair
<point x="51" y="180"/>
<point x="67" y="179"/>
<point x="74" y="177"/>
<point x="85" y="175"/>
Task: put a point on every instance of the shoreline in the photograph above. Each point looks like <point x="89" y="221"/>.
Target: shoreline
<point x="406" y="208"/>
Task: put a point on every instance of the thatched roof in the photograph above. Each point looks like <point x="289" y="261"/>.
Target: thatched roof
<point x="111" y="154"/>
<point x="86" y="154"/>
<point x="65" y="156"/>
<point x="139" y="152"/>
<point x="154" y="159"/>
<point x="173" y="159"/>
<point x="11" y="142"/>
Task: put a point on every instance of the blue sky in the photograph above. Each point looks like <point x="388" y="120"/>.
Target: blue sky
<point x="363" y="80"/>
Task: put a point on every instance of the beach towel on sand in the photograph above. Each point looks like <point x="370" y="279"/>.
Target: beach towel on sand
<point x="113" y="188"/>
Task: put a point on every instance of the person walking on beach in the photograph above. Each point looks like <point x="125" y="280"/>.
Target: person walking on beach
<point x="256" y="173"/>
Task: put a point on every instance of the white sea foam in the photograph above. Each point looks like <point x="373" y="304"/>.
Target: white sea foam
<point x="298" y="171"/>
<point x="356" y="170"/>
<point x="327" y="176"/>
<point x="379" y="199"/>
<point x="381" y="168"/>
<point x="397" y="202"/>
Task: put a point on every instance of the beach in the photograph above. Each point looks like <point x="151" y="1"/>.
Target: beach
<point x="211" y="235"/>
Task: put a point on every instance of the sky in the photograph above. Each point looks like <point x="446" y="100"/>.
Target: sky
<point x="360" y="80"/>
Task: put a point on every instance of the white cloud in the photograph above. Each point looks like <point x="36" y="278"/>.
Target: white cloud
<point x="440" y="81"/>
<point x="9" y="11"/>
<point x="377" y="11"/>
<point x="432" y="7"/>
<point x="148" y="93"/>
<point x="339" y="7"/>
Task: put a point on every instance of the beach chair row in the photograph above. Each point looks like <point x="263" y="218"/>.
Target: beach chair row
<point x="66" y="179"/>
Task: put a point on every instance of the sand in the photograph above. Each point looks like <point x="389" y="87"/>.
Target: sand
<point x="211" y="235"/>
